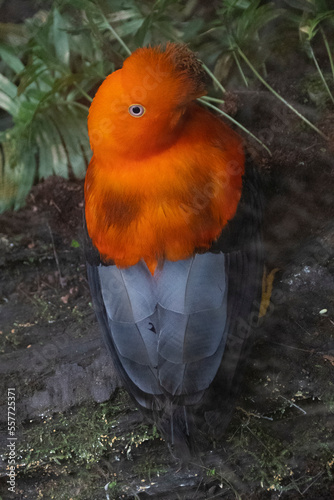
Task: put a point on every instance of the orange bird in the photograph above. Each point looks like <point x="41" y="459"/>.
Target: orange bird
<point x="174" y="259"/>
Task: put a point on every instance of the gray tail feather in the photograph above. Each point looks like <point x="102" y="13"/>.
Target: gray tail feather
<point x="176" y="425"/>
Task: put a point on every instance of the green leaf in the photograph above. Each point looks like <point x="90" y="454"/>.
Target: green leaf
<point x="45" y="160"/>
<point x="75" y="244"/>
<point x="34" y="94"/>
<point x="8" y="87"/>
<point x="9" y="101"/>
<point x="143" y="31"/>
<point x="13" y="34"/>
<point x="304" y="5"/>
<point x="80" y="119"/>
<point x="27" y="167"/>
<point x="72" y="126"/>
<point x="193" y="28"/>
<point x="60" y="38"/>
<point x="17" y="172"/>
<point x="8" y="56"/>
<point x="52" y="153"/>
<point x="26" y="112"/>
<point x="8" y="184"/>
<point x="76" y="155"/>
<point x="8" y="104"/>
<point x="35" y="73"/>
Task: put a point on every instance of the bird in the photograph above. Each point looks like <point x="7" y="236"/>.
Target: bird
<point x="173" y="218"/>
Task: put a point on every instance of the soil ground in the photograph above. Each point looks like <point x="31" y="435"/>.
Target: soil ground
<point x="78" y="431"/>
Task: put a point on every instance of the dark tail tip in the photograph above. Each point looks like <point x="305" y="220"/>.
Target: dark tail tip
<point x="175" y="425"/>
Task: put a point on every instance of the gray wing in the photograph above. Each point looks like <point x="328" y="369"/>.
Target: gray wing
<point x="192" y="311"/>
<point x="167" y="331"/>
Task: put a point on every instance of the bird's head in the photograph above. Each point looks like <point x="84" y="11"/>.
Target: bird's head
<point x="139" y="108"/>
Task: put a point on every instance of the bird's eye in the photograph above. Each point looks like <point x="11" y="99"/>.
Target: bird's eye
<point x="136" y="110"/>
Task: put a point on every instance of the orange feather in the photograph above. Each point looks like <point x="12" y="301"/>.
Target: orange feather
<point x="162" y="185"/>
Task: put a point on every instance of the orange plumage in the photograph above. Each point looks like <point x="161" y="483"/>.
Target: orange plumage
<point x="161" y="185"/>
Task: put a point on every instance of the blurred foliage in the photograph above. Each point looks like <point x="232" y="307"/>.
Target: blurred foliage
<point x="52" y="65"/>
<point x="310" y="21"/>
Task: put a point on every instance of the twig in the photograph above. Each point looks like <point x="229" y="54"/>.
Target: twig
<point x="321" y="75"/>
<point x="250" y="414"/>
<point x="116" y="35"/>
<point x="56" y="206"/>
<point x="206" y="103"/>
<point x="212" y="99"/>
<point x="300" y="326"/>
<point x="32" y="299"/>
<point x="212" y="76"/>
<point x="311" y="351"/>
<point x="328" y="50"/>
<point x="276" y="94"/>
<point x="61" y="279"/>
<point x="314" y="480"/>
<point x="293" y="404"/>
<point x="260" y="441"/>
<point x="243" y="76"/>
<point x="83" y="92"/>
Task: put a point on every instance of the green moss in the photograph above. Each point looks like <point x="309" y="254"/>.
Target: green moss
<point x="78" y="452"/>
<point x="81" y="436"/>
<point x="9" y="339"/>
